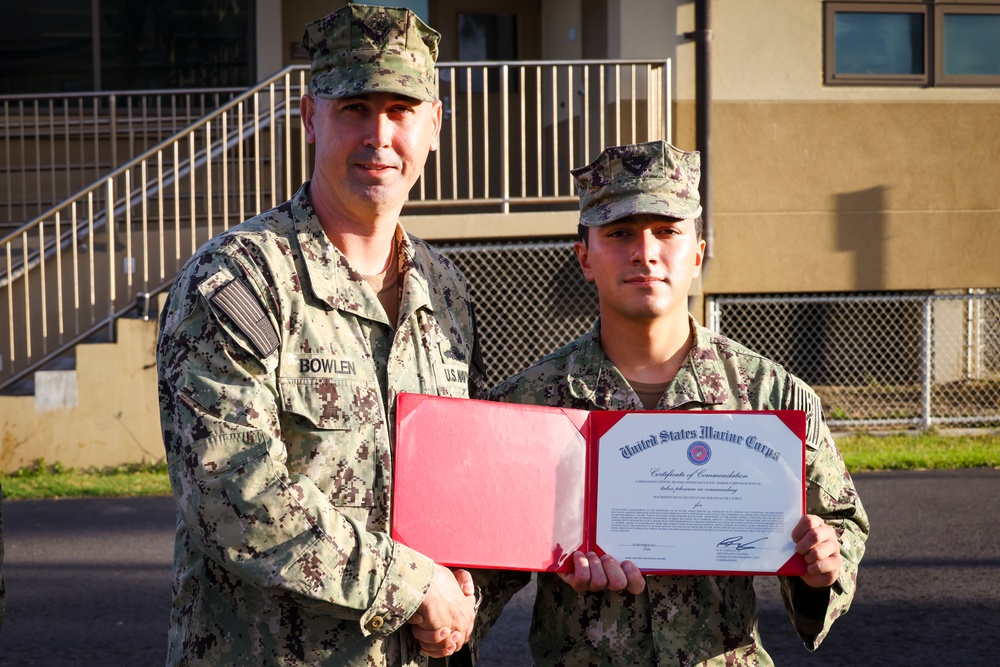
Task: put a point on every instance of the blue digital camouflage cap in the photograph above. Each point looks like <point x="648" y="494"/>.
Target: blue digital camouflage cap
<point x="652" y="177"/>
<point x="362" y="49"/>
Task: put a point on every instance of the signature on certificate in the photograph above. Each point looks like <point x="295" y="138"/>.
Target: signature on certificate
<point x="736" y="542"/>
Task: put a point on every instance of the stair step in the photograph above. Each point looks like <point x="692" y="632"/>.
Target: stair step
<point x="64" y="362"/>
<point x="23" y="387"/>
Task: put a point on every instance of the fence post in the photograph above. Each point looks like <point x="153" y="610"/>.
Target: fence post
<point x="928" y="362"/>
<point x="712" y="306"/>
<point x="113" y="125"/>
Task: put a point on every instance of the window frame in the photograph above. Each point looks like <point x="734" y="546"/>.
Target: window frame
<point x="934" y="12"/>
<point x="832" y="78"/>
<point x="942" y="9"/>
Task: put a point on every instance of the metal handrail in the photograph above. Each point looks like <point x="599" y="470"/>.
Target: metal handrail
<point x="109" y="248"/>
<point x="53" y="144"/>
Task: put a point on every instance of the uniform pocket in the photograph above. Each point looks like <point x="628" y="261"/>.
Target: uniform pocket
<point x="334" y="434"/>
<point x="332" y="404"/>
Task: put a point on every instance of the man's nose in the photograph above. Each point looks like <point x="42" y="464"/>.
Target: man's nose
<point x="379" y="131"/>
<point x="644" y="248"/>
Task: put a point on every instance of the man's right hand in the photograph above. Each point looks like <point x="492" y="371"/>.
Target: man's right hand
<point x="597" y="573"/>
<point x="443" y="622"/>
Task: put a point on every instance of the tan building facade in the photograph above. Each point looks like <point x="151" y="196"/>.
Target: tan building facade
<point x="816" y="187"/>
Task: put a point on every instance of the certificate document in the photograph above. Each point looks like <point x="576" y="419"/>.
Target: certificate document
<point x="500" y="485"/>
<point x="698" y="491"/>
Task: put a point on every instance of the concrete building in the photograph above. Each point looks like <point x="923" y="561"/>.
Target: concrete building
<point x="850" y="148"/>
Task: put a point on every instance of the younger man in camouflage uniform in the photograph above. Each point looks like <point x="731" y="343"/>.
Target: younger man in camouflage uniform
<point x="283" y="345"/>
<point x="640" y="242"/>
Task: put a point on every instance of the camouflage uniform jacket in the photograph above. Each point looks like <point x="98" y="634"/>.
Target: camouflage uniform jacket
<point x="682" y="620"/>
<point x="279" y="443"/>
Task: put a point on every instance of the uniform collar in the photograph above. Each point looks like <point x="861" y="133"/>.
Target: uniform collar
<point x="333" y="280"/>
<point x="591" y="377"/>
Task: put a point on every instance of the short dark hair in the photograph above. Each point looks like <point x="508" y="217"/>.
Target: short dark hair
<point x="581" y="231"/>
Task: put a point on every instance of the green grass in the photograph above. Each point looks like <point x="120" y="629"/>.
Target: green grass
<point x="923" y="451"/>
<point x="53" y="481"/>
<point x="919" y="451"/>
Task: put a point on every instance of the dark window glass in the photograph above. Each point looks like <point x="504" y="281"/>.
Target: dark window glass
<point x="45" y="47"/>
<point x="486" y="37"/>
<point x="972" y="44"/>
<point x="879" y="43"/>
<point x="174" y="43"/>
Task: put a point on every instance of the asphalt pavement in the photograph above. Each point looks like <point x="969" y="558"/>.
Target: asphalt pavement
<point x="88" y="582"/>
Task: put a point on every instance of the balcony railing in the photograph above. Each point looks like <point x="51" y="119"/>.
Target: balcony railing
<point x="51" y="146"/>
<point x="511" y="132"/>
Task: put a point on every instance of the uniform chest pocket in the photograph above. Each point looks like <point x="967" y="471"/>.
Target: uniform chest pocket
<point x="332" y="404"/>
<point x="335" y="435"/>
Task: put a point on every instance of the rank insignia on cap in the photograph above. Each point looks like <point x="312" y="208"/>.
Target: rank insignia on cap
<point x="377" y="26"/>
<point x="636" y="162"/>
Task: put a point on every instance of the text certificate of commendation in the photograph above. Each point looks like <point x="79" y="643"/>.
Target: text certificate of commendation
<point x="699" y="492"/>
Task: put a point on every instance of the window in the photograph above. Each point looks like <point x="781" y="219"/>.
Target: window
<point x="486" y="37"/>
<point x="938" y="42"/>
<point x="69" y="45"/>
<point x="970" y="45"/>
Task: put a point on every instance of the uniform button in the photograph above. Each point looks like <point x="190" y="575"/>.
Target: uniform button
<point x="376" y="622"/>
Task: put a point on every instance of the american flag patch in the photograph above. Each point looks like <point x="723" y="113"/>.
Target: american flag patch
<point x="236" y="301"/>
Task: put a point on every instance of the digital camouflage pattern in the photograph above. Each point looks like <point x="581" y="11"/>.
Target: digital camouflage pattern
<point x="278" y="373"/>
<point x="682" y="620"/>
<point x="369" y="49"/>
<point x="653" y="177"/>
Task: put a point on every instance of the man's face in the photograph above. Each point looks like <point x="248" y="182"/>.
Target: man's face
<point x="370" y="149"/>
<point x="643" y="266"/>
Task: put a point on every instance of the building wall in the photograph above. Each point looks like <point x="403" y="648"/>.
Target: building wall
<point x="829" y="189"/>
<point x="815" y="189"/>
<point x="103" y="413"/>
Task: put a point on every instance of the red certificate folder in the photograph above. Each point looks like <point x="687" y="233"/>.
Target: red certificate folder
<point x="502" y="485"/>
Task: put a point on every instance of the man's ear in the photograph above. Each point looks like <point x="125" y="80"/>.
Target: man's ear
<point x="581" y="255"/>
<point x="699" y="258"/>
<point x="436" y="112"/>
<point x="307" y="107"/>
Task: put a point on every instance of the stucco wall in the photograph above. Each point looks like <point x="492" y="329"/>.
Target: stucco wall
<point x="104" y="413"/>
<point x="831" y="188"/>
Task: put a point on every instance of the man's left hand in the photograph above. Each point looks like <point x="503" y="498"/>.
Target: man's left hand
<point x="817" y="541"/>
<point x="441" y="642"/>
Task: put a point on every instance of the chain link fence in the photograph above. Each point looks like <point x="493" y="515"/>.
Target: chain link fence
<point x="880" y="360"/>
<point x="531" y="298"/>
<point x="877" y="360"/>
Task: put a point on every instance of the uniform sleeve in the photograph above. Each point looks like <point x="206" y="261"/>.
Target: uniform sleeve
<point x="831" y="495"/>
<point x="217" y="358"/>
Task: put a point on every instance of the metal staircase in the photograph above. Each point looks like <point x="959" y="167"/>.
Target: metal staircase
<point x="107" y="251"/>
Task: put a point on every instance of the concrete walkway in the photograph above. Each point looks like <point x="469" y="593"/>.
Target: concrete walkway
<point x="88" y="582"/>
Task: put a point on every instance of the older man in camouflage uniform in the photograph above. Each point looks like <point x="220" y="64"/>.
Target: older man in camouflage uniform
<point x="640" y="242"/>
<point x="284" y="343"/>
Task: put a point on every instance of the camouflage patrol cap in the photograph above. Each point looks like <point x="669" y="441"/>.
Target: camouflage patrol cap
<point x="362" y="49"/>
<point x="653" y="177"/>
